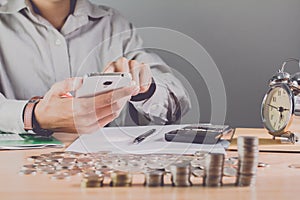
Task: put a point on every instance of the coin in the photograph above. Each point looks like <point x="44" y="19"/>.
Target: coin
<point x="60" y="176"/>
<point x="296" y="166"/>
<point x="120" y="179"/>
<point x="229" y="171"/>
<point x="27" y="172"/>
<point x="33" y="158"/>
<point x="262" y="164"/>
<point x="213" y="170"/>
<point x="154" y="178"/>
<point x="198" y="172"/>
<point x="248" y="161"/>
<point x="30" y="167"/>
<point x="180" y="174"/>
<point x="92" y="181"/>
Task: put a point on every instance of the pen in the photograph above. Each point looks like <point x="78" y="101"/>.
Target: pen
<point x="142" y="137"/>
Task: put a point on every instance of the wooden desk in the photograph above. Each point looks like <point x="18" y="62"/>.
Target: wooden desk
<point x="275" y="182"/>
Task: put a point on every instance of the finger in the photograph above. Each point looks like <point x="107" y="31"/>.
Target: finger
<point x="121" y="65"/>
<point x="135" y="73"/>
<point x="68" y="85"/>
<point x="110" y="68"/>
<point x="106" y="120"/>
<point x="145" y="78"/>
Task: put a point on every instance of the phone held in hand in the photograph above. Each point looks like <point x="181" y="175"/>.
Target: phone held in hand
<point x="98" y="83"/>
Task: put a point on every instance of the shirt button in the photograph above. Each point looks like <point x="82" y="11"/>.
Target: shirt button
<point x="58" y="42"/>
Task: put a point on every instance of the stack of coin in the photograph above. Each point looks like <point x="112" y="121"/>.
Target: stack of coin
<point x="181" y="174"/>
<point x="248" y="161"/>
<point x="120" y="179"/>
<point x="92" y="181"/>
<point x="154" y="178"/>
<point x="213" y="170"/>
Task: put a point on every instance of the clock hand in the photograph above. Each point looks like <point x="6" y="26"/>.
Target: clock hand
<point x="273" y="107"/>
<point x="282" y="109"/>
<point x="281" y="116"/>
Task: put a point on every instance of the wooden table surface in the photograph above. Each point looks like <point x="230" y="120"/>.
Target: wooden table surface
<point x="275" y="182"/>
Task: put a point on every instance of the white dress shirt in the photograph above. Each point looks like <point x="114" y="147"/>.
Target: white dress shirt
<point x="34" y="55"/>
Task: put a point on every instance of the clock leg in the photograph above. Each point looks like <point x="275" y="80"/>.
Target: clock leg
<point x="291" y="137"/>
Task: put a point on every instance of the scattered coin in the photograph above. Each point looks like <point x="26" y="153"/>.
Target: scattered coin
<point x="229" y="171"/>
<point x="296" y="166"/>
<point x="27" y="172"/>
<point x="197" y="172"/>
<point x="61" y="176"/>
<point x="262" y="164"/>
<point x="30" y="167"/>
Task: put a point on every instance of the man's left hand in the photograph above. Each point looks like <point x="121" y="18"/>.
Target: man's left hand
<point x="140" y="72"/>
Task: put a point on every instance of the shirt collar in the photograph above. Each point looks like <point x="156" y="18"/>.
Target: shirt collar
<point x="11" y="6"/>
<point x="83" y="7"/>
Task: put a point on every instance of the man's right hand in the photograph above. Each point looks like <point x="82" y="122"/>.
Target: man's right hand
<point x="80" y="115"/>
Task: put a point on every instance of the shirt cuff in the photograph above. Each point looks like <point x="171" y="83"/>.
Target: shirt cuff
<point x="11" y="119"/>
<point x="146" y="95"/>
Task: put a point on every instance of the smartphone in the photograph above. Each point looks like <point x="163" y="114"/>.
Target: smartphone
<point x="98" y="83"/>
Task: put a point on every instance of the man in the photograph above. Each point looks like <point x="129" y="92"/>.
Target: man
<point x="45" y="43"/>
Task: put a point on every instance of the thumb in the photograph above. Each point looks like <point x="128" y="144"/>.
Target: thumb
<point x="66" y="86"/>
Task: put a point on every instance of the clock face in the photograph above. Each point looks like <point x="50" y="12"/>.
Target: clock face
<point x="277" y="108"/>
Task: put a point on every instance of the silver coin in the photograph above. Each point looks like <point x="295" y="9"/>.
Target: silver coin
<point x="30" y="167"/>
<point x="49" y="171"/>
<point x="27" y="172"/>
<point x="296" y="166"/>
<point x="92" y="181"/>
<point x="58" y="153"/>
<point x="262" y="164"/>
<point x="33" y="158"/>
<point x="198" y="172"/>
<point x="60" y="176"/>
<point x="229" y="171"/>
<point x="120" y="179"/>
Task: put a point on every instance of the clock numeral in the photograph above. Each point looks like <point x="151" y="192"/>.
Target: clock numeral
<point x="272" y="116"/>
<point x="279" y="93"/>
<point x="274" y="99"/>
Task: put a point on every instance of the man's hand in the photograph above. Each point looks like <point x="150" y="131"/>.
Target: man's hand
<point x="80" y="115"/>
<point x="140" y="72"/>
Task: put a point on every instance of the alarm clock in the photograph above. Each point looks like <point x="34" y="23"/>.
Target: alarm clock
<point x="281" y="103"/>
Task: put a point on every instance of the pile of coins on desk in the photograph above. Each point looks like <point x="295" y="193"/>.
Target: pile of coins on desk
<point x="120" y="169"/>
<point x="248" y="161"/>
<point x="213" y="170"/>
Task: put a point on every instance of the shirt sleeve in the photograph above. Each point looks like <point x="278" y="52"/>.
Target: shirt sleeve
<point x="170" y="101"/>
<point x="11" y="119"/>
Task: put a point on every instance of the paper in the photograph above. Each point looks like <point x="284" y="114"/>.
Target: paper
<point x="10" y="137"/>
<point x="120" y="140"/>
<point x="11" y="141"/>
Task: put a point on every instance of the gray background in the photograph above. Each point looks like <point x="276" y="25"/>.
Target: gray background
<point x="247" y="39"/>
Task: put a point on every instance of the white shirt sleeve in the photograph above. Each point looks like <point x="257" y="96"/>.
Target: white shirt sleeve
<point x="11" y="111"/>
